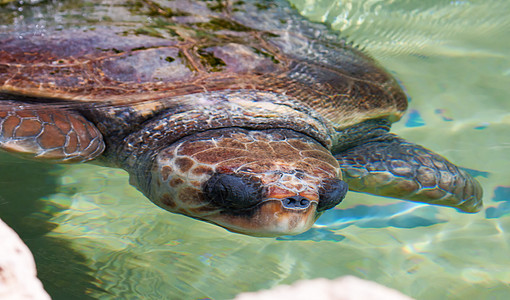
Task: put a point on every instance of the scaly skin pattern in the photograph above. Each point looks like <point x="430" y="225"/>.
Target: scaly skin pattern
<point x="238" y="113"/>
<point x="221" y="109"/>
<point x="36" y="132"/>
<point x="390" y="166"/>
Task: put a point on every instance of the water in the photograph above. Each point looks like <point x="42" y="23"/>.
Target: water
<point x="96" y="237"/>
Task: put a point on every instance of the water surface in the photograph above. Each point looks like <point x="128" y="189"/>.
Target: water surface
<point x="94" y="236"/>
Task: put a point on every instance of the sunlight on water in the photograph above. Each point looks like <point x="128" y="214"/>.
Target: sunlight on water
<point x="451" y="56"/>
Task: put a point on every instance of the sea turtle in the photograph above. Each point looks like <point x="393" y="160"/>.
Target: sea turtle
<point x="239" y="113"/>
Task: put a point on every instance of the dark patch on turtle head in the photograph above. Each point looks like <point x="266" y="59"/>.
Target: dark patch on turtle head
<point x="233" y="192"/>
<point x="331" y="193"/>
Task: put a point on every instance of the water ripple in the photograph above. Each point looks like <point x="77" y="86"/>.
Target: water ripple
<point x="419" y="27"/>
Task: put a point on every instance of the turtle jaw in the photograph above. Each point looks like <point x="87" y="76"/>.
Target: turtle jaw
<point x="269" y="219"/>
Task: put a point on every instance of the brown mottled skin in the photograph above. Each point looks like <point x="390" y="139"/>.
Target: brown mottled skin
<point x="239" y="113"/>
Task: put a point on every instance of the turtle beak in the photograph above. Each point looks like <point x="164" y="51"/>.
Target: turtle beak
<point x="296" y="202"/>
<point x="273" y="217"/>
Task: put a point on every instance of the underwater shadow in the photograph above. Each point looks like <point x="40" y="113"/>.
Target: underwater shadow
<point x="398" y="215"/>
<point x="23" y="187"/>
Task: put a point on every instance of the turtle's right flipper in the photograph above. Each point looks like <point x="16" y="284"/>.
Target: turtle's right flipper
<point x="390" y="166"/>
<point x="40" y="132"/>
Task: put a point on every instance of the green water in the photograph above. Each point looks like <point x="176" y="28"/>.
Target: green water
<point x="96" y="237"/>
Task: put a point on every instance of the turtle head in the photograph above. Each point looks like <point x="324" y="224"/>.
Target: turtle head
<point x="256" y="182"/>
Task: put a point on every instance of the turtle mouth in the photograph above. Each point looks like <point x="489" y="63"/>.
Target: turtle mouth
<point x="290" y="204"/>
<point x="270" y="218"/>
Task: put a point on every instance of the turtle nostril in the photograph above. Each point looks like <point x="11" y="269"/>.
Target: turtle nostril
<point x="296" y="202"/>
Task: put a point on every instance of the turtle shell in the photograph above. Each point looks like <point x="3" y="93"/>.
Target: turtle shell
<point x="145" y="51"/>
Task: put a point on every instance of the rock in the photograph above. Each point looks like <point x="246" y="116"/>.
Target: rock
<point x="18" y="279"/>
<point x="343" y="288"/>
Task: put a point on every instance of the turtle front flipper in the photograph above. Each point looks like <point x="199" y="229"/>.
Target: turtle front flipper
<point x="392" y="167"/>
<point x="40" y="132"/>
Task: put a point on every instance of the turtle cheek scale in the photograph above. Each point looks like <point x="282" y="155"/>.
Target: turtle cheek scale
<point x="261" y="183"/>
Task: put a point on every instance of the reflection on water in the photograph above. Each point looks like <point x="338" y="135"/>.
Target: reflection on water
<point x="452" y="57"/>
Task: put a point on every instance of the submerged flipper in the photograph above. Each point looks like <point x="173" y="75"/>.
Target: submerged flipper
<point x="40" y="132"/>
<point x="392" y="167"/>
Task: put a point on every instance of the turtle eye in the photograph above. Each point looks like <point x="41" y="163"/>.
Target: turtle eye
<point x="331" y="193"/>
<point x="233" y="191"/>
